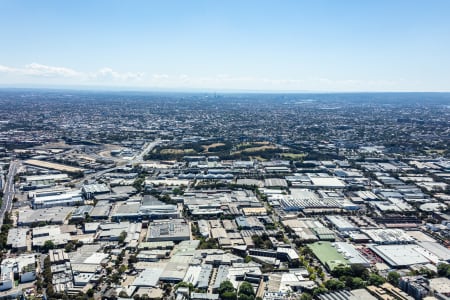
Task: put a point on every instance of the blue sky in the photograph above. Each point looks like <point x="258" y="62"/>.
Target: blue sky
<point x="392" y="45"/>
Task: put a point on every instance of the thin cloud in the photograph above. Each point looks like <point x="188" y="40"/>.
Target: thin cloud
<point x="45" y="71"/>
<point x="40" y="73"/>
<point x="40" y="70"/>
<point x="108" y="73"/>
<point x="5" y="69"/>
<point x="35" y="69"/>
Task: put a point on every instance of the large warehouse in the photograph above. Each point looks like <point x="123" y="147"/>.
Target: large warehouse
<point x="398" y="256"/>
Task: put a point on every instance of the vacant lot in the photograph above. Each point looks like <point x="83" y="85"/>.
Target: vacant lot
<point x="53" y="166"/>
<point x="257" y="149"/>
<point x="207" y="147"/>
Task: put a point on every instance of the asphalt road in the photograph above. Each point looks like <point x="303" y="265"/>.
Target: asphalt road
<point x="139" y="158"/>
<point x="94" y="176"/>
<point x="149" y="147"/>
<point x="8" y="190"/>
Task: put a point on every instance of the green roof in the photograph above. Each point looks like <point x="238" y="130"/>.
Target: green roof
<point x="328" y="255"/>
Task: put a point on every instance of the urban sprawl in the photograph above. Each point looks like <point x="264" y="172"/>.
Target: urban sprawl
<point x="207" y="196"/>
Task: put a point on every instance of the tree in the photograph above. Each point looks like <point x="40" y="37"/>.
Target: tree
<point x="115" y="278"/>
<point x="48" y="245"/>
<point x="123" y="294"/>
<point x="262" y="241"/>
<point x="122" y="269"/>
<point x="321" y="273"/>
<point x="208" y="244"/>
<point x="357" y="283"/>
<point x="246" y="289"/>
<point x="138" y="183"/>
<point x="226" y="286"/>
<point x="185" y="284"/>
<point x="132" y="259"/>
<point x="375" y="279"/>
<point x="334" y="284"/>
<point x="319" y="290"/>
<point x="279" y="236"/>
<point x="90" y="293"/>
<point x="359" y="270"/>
<point x="122" y="237"/>
<point x="227" y="291"/>
<point x="444" y="270"/>
<point x="228" y="296"/>
<point x="167" y="287"/>
<point x="295" y="263"/>
<point x="177" y="191"/>
<point x="73" y="245"/>
<point x="424" y="272"/>
<point x="393" y="278"/>
<point x="306" y="296"/>
<point x="39" y="283"/>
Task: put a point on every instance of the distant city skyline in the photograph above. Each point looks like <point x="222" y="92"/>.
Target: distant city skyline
<point x="330" y="46"/>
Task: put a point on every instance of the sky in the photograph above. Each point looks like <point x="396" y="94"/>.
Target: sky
<point x="285" y="45"/>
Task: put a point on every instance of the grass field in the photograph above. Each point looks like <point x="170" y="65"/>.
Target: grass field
<point x="177" y="151"/>
<point x="294" y="156"/>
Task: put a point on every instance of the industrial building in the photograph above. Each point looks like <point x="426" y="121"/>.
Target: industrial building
<point x="351" y="254"/>
<point x="169" y="230"/>
<point x="147" y="210"/>
<point x="398" y="256"/>
<point x="113" y="231"/>
<point x="81" y="212"/>
<point x="328" y="255"/>
<point x="91" y="190"/>
<point x="148" y="278"/>
<point x="101" y="210"/>
<point x="341" y="223"/>
<point x="344" y="294"/>
<point x="49" y="233"/>
<point x="303" y="199"/>
<point x="17" y="238"/>
<point x="43" y="181"/>
<point x="22" y="267"/>
<point x="388" y="236"/>
<point x="57" y="198"/>
<point x="51" y="215"/>
<point x="281" y="253"/>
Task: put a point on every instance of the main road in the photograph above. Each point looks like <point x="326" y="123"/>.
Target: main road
<point x="8" y="190"/>
<point x="139" y="158"/>
<point x="147" y="148"/>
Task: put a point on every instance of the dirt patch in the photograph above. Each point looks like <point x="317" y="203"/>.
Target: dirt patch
<point x="207" y="147"/>
<point x="256" y="149"/>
